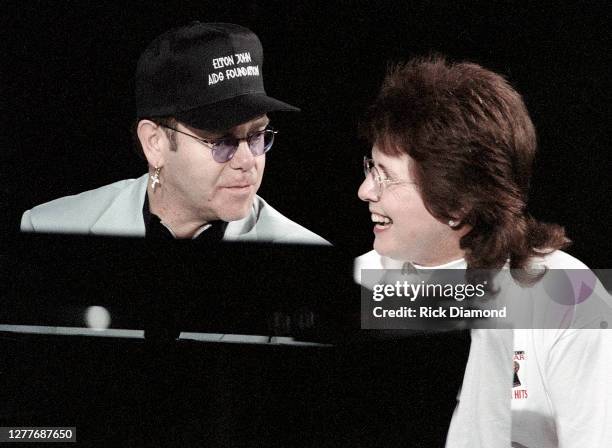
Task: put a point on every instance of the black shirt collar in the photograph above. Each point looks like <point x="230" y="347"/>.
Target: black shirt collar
<point x="155" y="229"/>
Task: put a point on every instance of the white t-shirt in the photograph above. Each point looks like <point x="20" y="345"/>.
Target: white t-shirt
<point x="528" y="387"/>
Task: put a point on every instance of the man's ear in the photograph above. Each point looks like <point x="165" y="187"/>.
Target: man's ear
<point x="154" y="142"/>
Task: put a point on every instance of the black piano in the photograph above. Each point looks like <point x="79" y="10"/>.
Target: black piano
<point x="137" y="343"/>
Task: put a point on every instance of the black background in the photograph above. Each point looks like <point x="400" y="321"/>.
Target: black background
<point x="68" y="89"/>
<point x="70" y="98"/>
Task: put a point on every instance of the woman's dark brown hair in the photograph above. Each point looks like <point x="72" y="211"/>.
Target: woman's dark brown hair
<point x="474" y="144"/>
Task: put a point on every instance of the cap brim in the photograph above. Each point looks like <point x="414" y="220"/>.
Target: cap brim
<point x="232" y="112"/>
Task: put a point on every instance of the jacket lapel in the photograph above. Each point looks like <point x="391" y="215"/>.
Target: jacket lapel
<point x="245" y="229"/>
<point x="124" y="215"/>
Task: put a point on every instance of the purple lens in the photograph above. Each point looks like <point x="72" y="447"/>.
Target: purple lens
<point x="224" y="151"/>
<point x="268" y="139"/>
<point x="259" y="143"/>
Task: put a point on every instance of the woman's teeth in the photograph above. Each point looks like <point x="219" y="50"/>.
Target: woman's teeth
<point x="381" y="220"/>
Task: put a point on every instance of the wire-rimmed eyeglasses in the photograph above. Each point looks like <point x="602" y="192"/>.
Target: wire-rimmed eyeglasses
<point x="370" y="170"/>
<point x="223" y="149"/>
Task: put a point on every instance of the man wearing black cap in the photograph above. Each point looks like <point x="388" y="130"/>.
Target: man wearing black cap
<point x="202" y="125"/>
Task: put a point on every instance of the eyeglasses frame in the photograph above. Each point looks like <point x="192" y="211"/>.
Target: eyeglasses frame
<point x="380" y="180"/>
<point x="210" y="143"/>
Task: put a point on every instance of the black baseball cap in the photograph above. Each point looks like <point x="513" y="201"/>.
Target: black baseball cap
<point x="207" y="75"/>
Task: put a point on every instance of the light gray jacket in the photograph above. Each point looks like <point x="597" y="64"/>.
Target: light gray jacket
<point x="116" y="209"/>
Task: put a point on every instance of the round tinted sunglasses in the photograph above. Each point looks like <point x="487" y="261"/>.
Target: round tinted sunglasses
<point x="223" y="149"/>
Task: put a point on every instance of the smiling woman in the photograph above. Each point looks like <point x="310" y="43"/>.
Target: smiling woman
<point x="447" y="187"/>
<point x="404" y="228"/>
<point x="463" y="135"/>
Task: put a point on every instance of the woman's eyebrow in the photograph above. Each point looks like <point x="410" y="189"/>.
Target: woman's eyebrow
<point x="384" y="169"/>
